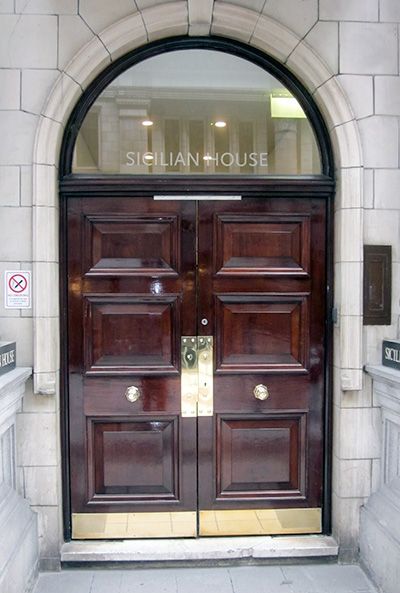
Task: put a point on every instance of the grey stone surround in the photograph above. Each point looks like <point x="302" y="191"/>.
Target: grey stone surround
<point x="345" y="53"/>
<point x="380" y="518"/>
<point x="19" y="549"/>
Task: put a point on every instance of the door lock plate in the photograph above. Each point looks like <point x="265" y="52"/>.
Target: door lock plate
<point x="189" y="377"/>
<point x="205" y="366"/>
<point x="196" y="376"/>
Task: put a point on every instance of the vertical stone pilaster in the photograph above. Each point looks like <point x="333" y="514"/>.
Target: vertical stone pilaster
<point x="380" y="518"/>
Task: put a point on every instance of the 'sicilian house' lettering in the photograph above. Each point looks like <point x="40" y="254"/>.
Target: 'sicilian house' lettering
<point x="226" y="159"/>
<point x="392" y="354"/>
<point x="7" y="358"/>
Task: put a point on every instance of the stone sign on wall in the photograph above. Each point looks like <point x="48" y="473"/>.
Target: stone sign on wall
<point x="7" y="357"/>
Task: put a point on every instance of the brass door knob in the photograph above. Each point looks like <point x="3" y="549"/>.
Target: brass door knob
<point x="261" y="391"/>
<point x="132" y="393"/>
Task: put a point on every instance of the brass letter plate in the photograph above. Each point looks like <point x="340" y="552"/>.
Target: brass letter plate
<point x="196" y="376"/>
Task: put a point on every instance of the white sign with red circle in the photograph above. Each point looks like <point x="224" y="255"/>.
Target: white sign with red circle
<point x="17" y="284"/>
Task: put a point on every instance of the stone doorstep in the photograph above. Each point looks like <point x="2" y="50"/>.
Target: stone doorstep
<point x="204" y="549"/>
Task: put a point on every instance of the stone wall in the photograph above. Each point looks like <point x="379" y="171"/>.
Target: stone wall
<point x="345" y="52"/>
<point x="19" y="549"/>
<point x="380" y="517"/>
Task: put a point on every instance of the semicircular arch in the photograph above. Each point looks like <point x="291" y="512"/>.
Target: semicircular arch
<point x="244" y="25"/>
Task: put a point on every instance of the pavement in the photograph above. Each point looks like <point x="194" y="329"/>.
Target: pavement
<point x="305" y="578"/>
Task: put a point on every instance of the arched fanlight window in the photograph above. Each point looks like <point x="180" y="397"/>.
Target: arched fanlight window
<point x="196" y="111"/>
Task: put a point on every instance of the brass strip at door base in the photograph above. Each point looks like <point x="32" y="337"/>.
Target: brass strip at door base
<point x="133" y="525"/>
<point x="261" y="522"/>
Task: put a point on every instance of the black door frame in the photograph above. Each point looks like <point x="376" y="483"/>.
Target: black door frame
<point x="321" y="186"/>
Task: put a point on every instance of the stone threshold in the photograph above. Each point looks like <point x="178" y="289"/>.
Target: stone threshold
<point x="216" y="549"/>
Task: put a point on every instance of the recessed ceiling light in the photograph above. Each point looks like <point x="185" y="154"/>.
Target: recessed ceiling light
<point x="148" y="157"/>
<point x="147" y="123"/>
<point x="207" y="157"/>
<point x="220" y="124"/>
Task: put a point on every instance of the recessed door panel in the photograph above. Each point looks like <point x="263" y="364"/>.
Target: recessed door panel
<point x="131" y="245"/>
<point x="134" y="459"/>
<point x="259" y="332"/>
<point x="116" y="328"/>
<point x="250" y="244"/>
<point x="261" y="456"/>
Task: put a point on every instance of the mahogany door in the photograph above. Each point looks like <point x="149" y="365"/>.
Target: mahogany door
<point x="262" y="289"/>
<point x="132" y="293"/>
<point x="144" y="276"/>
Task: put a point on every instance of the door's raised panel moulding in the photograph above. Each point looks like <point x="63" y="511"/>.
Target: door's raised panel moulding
<point x="131" y="245"/>
<point x="287" y="257"/>
<point x="242" y="347"/>
<point x="110" y="482"/>
<point x="127" y="34"/>
<point x="283" y="468"/>
<point x="112" y="321"/>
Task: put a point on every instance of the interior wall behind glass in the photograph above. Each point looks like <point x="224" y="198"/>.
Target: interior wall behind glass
<point x="196" y="112"/>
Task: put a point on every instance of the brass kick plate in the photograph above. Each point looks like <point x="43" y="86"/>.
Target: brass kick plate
<point x="184" y="524"/>
<point x="260" y="522"/>
<point x="133" y="525"/>
<point x="196" y="376"/>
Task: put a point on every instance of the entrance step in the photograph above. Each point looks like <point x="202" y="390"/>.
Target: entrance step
<point x="205" y="549"/>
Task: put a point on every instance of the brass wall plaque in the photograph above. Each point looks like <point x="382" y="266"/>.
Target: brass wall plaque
<point x="377" y="300"/>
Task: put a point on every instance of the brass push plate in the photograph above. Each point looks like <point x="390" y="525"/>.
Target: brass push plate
<point x="196" y="376"/>
<point x="189" y="377"/>
<point x="206" y="375"/>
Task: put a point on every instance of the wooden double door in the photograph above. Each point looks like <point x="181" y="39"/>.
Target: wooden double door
<point x="196" y="365"/>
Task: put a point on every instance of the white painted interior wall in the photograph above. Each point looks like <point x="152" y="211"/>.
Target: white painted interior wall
<point x="345" y="52"/>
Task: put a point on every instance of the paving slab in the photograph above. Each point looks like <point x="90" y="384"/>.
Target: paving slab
<point x="327" y="579"/>
<point x="309" y="578"/>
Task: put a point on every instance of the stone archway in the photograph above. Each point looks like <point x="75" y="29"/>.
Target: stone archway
<point x="238" y="23"/>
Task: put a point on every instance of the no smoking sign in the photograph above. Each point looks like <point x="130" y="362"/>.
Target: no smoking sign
<point x="17" y="285"/>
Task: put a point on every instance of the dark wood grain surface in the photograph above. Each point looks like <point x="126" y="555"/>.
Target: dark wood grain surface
<point x="141" y="274"/>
